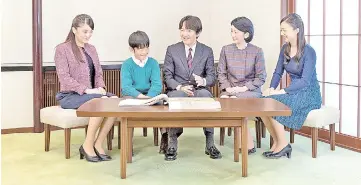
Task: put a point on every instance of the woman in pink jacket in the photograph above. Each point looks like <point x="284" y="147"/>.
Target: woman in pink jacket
<point x="81" y="79"/>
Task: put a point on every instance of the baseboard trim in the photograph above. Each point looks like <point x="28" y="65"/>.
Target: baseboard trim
<point x="30" y="129"/>
<point x="342" y="140"/>
<point x="17" y="130"/>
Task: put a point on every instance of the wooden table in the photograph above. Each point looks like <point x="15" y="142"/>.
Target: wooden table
<point x="233" y="114"/>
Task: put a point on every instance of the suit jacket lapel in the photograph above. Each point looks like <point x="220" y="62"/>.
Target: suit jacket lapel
<point x="197" y="56"/>
<point x="183" y="57"/>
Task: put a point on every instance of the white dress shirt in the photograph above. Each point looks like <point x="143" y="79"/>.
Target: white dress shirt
<point x="193" y="50"/>
<point x="139" y="62"/>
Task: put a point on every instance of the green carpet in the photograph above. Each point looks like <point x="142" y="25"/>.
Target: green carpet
<point x="25" y="162"/>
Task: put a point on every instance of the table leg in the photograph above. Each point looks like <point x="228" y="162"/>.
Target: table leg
<point x="236" y="144"/>
<point x="244" y="151"/>
<point x="130" y="145"/>
<point x="123" y="145"/>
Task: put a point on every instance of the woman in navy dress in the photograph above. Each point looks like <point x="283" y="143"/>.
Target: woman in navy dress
<point x="298" y="59"/>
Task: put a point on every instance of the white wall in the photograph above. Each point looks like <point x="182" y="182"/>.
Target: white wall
<point x="114" y="21"/>
<point x="118" y="19"/>
<point x="16" y="99"/>
<point x="16" y="44"/>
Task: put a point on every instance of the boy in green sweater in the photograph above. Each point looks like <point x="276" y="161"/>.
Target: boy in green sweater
<point x="140" y="74"/>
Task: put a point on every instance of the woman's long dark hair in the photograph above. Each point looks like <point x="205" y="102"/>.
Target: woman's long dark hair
<point x="295" y="21"/>
<point x="78" y="21"/>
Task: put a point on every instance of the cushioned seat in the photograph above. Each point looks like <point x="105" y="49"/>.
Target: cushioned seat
<point x="317" y="119"/>
<point x="322" y="117"/>
<point x="64" y="118"/>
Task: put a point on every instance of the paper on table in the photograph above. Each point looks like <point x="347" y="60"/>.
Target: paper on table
<point x="132" y="102"/>
<point x="191" y="99"/>
<point x="199" y="104"/>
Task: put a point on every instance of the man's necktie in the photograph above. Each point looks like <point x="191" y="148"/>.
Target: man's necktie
<point x="190" y="59"/>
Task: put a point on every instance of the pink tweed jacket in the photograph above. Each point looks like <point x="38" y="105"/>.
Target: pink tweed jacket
<point x="74" y="75"/>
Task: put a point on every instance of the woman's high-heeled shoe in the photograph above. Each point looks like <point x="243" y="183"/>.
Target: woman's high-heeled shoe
<point x="267" y="153"/>
<point x="103" y="157"/>
<point x="88" y="157"/>
<point x="286" y="151"/>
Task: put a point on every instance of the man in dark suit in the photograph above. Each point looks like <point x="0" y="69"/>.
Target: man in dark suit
<point x="189" y="72"/>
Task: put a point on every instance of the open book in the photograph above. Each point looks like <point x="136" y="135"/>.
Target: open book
<point x="158" y="99"/>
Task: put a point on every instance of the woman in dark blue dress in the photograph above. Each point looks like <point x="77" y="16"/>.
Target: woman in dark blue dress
<point x="298" y="59"/>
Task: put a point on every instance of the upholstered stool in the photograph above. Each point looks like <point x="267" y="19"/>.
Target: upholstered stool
<point x="63" y="118"/>
<point x="318" y="118"/>
<point x="325" y="116"/>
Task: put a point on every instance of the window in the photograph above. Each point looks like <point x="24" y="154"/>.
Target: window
<point x="332" y="28"/>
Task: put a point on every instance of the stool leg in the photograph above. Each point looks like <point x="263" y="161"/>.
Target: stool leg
<point x="229" y="131"/>
<point x="292" y="135"/>
<point x="145" y="132"/>
<point x="332" y="137"/>
<point x="86" y="130"/>
<point x="47" y="137"/>
<point x="314" y="134"/>
<point x="258" y="133"/>
<point x="270" y="142"/>
<point x="155" y="135"/>
<point x="67" y="132"/>
<point x="222" y="131"/>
